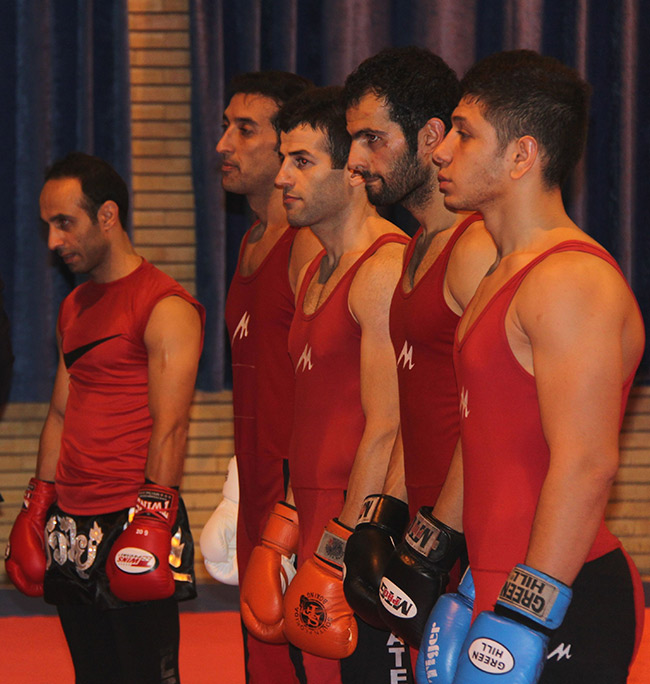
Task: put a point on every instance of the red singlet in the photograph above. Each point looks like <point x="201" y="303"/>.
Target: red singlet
<point x="505" y="454"/>
<point x="325" y="348"/>
<point x="422" y="328"/>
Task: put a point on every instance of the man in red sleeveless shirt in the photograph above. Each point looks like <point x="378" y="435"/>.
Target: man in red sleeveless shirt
<point x="259" y="309"/>
<point x="346" y="408"/>
<point x="545" y="356"/>
<point x="399" y="105"/>
<point x="103" y="533"/>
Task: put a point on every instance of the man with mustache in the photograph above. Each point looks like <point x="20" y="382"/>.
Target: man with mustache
<point x="103" y="533"/>
<point x="399" y="104"/>
<point x="259" y="309"/>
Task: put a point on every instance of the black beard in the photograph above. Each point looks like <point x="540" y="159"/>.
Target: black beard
<point x="409" y="184"/>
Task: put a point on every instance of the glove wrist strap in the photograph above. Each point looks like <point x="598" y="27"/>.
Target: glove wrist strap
<point x="438" y="543"/>
<point x="531" y="596"/>
<point x="386" y="512"/>
<point x="331" y="548"/>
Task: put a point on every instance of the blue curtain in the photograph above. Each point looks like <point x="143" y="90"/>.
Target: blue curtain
<point x="64" y="87"/>
<point x="326" y="39"/>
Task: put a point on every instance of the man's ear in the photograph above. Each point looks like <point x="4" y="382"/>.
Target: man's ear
<point x="109" y="215"/>
<point x="525" y="153"/>
<point x="431" y="135"/>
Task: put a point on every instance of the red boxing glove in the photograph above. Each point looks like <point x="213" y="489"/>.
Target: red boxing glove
<point x="138" y="564"/>
<point x="25" y="555"/>
<point x="317" y="618"/>
<point x="269" y="572"/>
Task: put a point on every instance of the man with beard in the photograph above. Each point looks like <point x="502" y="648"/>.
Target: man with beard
<point x="259" y="309"/>
<point x="399" y="104"/>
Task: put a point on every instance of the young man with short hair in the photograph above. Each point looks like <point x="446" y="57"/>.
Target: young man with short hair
<point x="545" y="357"/>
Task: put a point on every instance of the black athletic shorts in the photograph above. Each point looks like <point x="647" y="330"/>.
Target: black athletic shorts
<point x="595" y="642"/>
<point x="78" y="546"/>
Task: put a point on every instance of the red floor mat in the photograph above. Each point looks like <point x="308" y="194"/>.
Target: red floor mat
<point x="34" y="651"/>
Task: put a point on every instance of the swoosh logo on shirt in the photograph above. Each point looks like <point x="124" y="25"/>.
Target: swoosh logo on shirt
<point x="70" y="357"/>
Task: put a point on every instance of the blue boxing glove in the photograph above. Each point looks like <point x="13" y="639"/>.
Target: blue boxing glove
<point x="444" y="634"/>
<point x="508" y="646"/>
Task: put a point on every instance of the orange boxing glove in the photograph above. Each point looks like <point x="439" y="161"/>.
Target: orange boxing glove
<point x="268" y="574"/>
<point x="317" y="618"/>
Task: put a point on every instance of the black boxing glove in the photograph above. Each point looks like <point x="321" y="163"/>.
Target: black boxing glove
<point x="417" y="574"/>
<point x="379" y="529"/>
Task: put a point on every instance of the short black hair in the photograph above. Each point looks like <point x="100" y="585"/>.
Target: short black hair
<point x="323" y="109"/>
<point x="415" y="84"/>
<point x="100" y="182"/>
<point x="521" y="92"/>
<point x="279" y="86"/>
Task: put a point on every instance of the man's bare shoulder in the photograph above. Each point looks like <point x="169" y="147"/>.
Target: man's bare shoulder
<point x="573" y="287"/>
<point x="475" y="248"/>
<point x="470" y="259"/>
<point x="374" y="283"/>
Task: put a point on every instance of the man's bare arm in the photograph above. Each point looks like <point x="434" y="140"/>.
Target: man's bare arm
<point x="449" y="506"/>
<point x="173" y="341"/>
<point x="395" y="483"/>
<point x="580" y="361"/>
<point x="370" y="297"/>
<point x="49" y="446"/>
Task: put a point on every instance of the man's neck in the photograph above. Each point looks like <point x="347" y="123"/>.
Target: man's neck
<point x="119" y="262"/>
<point x="523" y="220"/>
<point x="268" y="208"/>
<point x="347" y="231"/>
<point x="433" y="215"/>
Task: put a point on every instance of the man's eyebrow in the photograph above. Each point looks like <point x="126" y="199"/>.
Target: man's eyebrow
<point x="58" y="217"/>
<point x="242" y="120"/>
<point x="367" y="131"/>
<point x="299" y="153"/>
<point x="458" y="119"/>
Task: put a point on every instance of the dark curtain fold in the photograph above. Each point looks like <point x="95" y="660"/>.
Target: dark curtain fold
<point x="325" y="39"/>
<point x="64" y="87"/>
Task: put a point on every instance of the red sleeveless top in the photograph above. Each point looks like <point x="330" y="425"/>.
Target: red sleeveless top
<point x="325" y="349"/>
<point x="107" y="424"/>
<point x="505" y="454"/>
<point x="422" y="328"/>
<point x="259" y="309"/>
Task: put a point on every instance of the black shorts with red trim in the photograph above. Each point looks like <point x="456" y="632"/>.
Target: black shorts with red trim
<point x="78" y="546"/>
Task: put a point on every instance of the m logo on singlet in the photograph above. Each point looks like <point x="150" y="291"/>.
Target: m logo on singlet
<point x="464" y="403"/>
<point x="561" y="651"/>
<point x="242" y="327"/>
<point x="304" y="362"/>
<point x="406" y="356"/>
